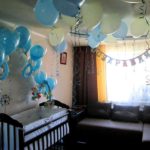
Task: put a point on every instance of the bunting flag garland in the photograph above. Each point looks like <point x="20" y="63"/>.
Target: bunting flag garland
<point x="132" y="61"/>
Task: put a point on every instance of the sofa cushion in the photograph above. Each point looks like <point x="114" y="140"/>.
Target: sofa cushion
<point x="99" y="110"/>
<point x="125" y="113"/>
<point x="146" y="114"/>
<point x="146" y="133"/>
<point x="101" y="124"/>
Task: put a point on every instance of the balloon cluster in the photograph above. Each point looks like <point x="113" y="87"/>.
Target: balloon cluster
<point x="44" y="86"/>
<point x="47" y="12"/>
<point x="10" y="41"/>
<point x="20" y="38"/>
<point x="102" y="20"/>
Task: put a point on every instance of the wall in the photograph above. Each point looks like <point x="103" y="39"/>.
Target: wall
<point x="19" y="88"/>
<point x="51" y="64"/>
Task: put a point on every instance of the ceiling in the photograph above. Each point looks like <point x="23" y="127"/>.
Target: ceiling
<point x="18" y="12"/>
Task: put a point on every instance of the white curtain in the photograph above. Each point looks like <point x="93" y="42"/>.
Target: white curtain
<point x="130" y="84"/>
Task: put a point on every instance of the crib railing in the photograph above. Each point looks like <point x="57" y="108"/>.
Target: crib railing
<point x="12" y="136"/>
<point x="48" y="138"/>
<point x="11" y="133"/>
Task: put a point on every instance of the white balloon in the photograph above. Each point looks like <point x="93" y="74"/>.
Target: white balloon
<point x="92" y="13"/>
<point x="110" y="23"/>
<point x="110" y="39"/>
<point x="56" y="36"/>
<point x="138" y="27"/>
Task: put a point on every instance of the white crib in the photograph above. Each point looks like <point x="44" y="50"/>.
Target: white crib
<point x="33" y="129"/>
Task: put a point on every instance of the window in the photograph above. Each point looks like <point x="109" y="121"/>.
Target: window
<point x="123" y="84"/>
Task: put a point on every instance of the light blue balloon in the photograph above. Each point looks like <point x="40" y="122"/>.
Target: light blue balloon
<point x="67" y="8"/>
<point x="121" y="33"/>
<point x="37" y="65"/>
<point x="96" y="34"/>
<point x="36" y="52"/>
<point x="40" y="77"/>
<point x="51" y="84"/>
<point x="61" y="47"/>
<point x="92" y="43"/>
<point x="5" y="73"/>
<point x="24" y="34"/>
<point x="46" y="13"/>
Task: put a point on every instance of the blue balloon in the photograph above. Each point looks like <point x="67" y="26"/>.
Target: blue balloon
<point x="67" y="8"/>
<point x="46" y="13"/>
<point x="2" y="57"/>
<point x="27" y="71"/>
<point x="51" y="84"/>
<point x="12" y="43"/>
<point x="77" y="2"/>
<point x="61" y="47"/>
<point x="122" y="31"/>
<point x="24" y="34"/>
<point x="37" y="65"/>
<point x="8" y="40"/>
<point x="40" y="77"/>
<point x="36" y="52"/>
<point x="92" y="43"/>
<point x="96" y="34"/>
<point x="5" y="73"/>
<point x="27" y="46"/>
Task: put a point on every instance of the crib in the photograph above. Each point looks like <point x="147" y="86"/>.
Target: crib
<point x="33" y="129"/>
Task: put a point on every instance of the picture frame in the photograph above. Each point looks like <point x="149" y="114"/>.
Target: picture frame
<point x="63" y="58"/>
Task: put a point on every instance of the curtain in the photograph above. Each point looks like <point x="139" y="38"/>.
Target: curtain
<point x="101" y="76"/>
<point x="84" y="76"/>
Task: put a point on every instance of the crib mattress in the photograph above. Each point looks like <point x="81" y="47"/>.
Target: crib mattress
<point x="34" y="121"/>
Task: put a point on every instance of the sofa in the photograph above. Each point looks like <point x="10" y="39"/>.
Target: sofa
<point x="112" y="123"/>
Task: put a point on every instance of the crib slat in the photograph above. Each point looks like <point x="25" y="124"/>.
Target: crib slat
<point x="2" y="134"/>
<point x="8" y="135"/>
<point x="15" y="138"/>
<point x="11" y="137"/>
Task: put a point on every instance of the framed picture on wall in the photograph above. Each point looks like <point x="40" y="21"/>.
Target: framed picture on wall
<point x="63" y="58"/>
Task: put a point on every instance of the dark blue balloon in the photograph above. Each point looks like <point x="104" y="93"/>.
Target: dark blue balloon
<point x="5" y="73"/>
<point x="46" y="13"/>
<point x="36" y="52"/>
<point x="24" y="34"/>
<point x="67" y="8"/>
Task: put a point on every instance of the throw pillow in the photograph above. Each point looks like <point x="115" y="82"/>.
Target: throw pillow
<point x="125" y="113"/>
<point x="146" y="114"/>
<point x="99" y="110"/>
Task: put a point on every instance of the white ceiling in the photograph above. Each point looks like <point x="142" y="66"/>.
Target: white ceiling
<point x="16" y="12"/>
